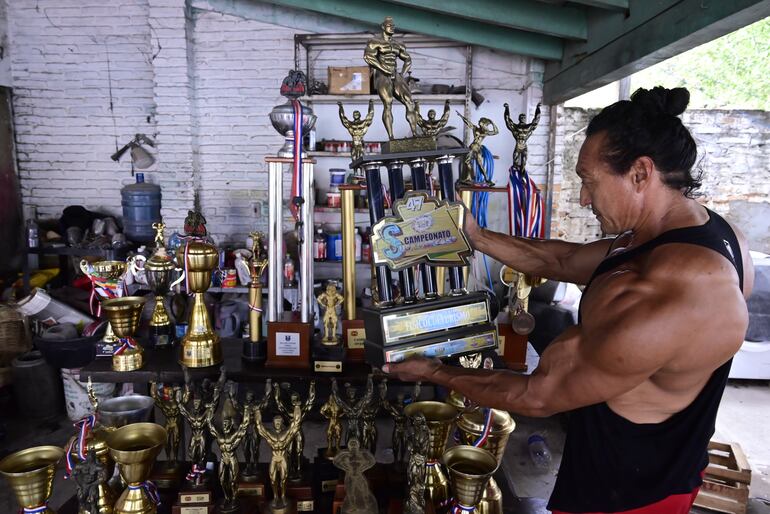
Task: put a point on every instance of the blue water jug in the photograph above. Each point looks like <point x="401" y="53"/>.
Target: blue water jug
<point x="141" y="208"/>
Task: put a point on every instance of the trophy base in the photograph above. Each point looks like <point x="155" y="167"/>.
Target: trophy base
<point x="445" y="327"/>
<point x="166" y="474"/>
<point x="301" y="492"/>
<point x="410" y="144"/>
<point x="162" y="336"/>
<point x="513" y="347"/>
<point x="326" y="474"/>
<point x="200" y="350"/>
<point x="289" y="507"/>
<point x="353" y="336"/>
<point x="251" y="488"/>
<point x="129" y="360"/>
<point x="327" y="358"/>
<point x="254" y="351"/>
<point x="194" y="502"/>
<point x="288" y="342"/>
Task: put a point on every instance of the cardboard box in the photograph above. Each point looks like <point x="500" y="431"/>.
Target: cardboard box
<point x="350" y="80"/>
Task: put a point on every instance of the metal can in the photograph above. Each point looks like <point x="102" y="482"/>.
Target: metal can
<point x="230" y="278"/>
<point x="333" y="246"/>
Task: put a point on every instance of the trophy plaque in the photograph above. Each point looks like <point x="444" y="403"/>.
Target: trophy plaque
<point x="423" y="232"/>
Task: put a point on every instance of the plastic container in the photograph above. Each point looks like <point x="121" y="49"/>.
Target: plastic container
<point x="359" y="241"/>
<point x="141" y="208"/>
<point x="76" y="395"/>
<point x="333" y="246"/>
<point x="336" y="176"/>
<point x="37" y="388"/>
<point x="71" y="353"/>
<point x="539" y="452"/>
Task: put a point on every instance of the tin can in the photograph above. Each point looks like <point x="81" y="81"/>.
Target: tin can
<point x="230" y="278"/>
<point x="333" y="199"/>
<point x="333" y="246"/>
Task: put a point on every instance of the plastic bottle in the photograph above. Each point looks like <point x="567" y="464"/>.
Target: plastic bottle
<point x="141" y="208"/>
<point x="366" y="246"/>
<point x="359" y="241"/>
<point x="539" y="452"/>
<point x="288" y="271"/>
<point x="319" y="245"/>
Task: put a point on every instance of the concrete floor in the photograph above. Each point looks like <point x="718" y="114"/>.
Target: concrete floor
<point x="743" y="417"/>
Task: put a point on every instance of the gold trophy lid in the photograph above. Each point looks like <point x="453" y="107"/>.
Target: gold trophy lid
<point x="473" y="422"/>
<point x="160" y="261"/>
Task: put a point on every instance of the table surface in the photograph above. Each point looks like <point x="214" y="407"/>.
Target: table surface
<point x="163" y="366"/>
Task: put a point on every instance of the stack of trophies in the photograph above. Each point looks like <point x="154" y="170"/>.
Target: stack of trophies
<point x="437" y="479"/>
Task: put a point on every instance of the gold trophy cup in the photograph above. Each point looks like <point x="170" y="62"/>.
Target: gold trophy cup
<point x="469" y="469"/>
<point x="471" y="426"/>
<point x="30" y="473"/>
<point x="200" y="345"/>
<point x="440" y="417"/>
<point x="135" y="448"/>
<point x="105" y="276"/>
<point x="124" y="315"/>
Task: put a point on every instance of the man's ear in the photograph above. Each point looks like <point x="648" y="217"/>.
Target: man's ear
<point x="641" y="173"/>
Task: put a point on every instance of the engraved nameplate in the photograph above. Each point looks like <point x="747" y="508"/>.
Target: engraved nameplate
<point x="445" y="348"/>
<point x="328" y="486"/>
<point x="305" y="506"/>
<point x="356" y="338"/>
<point x="397" y="327"/>
<point x="188" y="498"/>
<point x="328" y="366"/>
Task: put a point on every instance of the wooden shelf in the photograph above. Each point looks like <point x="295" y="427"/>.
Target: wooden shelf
<point x="322" y="208"/>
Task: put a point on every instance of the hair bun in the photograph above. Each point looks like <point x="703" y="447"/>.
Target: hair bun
<point x="669" y="101"/>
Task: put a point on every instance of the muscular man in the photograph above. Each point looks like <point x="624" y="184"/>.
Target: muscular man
<point x="381" y="55"/>
<point x="643" y="372"/>
<point x="486" y="127"/>
<point x="357" y="128"/>
<point x="431" y="126"/>
<point x="521" y="132"/>
<point x="330" y="300"/>
<point x="332" y="411"/>
<point x="228" y="440"/>
<point x="279" y="441"/>
<point x="298" y="443"/>
<point x="168" y="405"/>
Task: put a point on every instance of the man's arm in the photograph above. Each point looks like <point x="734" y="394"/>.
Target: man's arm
<point x="639" y="327"/>
<point x="370" y="113"/>
<point x="508" y="121"/>
<point x="370" y="57"/>
<point x="404" y="55"/>
<point x="547" y="258"/>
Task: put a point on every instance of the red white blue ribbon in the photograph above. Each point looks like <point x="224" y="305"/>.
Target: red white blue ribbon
<point x="150" y="488"/>
<point x="35" y="510"/>
<point x="128" y="344"/>
<point x="296" y="179"/>
<point x="459" y="508"/>
<point x="195" y="473"/>
<point x="526" y="208"/>
<point x="482" y="439"/>
<point x="84" y="426"/>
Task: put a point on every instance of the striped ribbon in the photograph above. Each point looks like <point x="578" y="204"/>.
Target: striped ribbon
<point x="105" y="288"/>
<point x="195" y="473"/>
<point x="84" y="426"/>
<point x="296" y="179"/>
<point x="255" y="308"/>
<point x="525" y="205"/>
<point x="459" y="508"/>
<point x="150" y="488"/>
<point x="128" y="343"/>
<point x="479" y="443"/>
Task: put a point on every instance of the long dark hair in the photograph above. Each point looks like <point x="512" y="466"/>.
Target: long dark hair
<point x="649" y="125"/>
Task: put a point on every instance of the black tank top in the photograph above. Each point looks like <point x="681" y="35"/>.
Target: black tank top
<point x="611" y="464"/>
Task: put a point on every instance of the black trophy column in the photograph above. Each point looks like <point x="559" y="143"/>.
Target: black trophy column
<point x="376" y="213"/>
<point x="446" y="182"/>
<point x="396" y="182"/>
<point x="428" y="274"/>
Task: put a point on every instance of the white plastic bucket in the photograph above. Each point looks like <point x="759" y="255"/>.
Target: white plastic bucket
<point x="76" y="395"/>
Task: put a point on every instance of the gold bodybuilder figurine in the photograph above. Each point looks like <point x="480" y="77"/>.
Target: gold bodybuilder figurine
<point x="381" y="54"/>
<point x="330" y="299"/>
<point x="228" y="441"/>
<point x="298" y="443"/>
<point x="332" y="411"/>
<point x="170" y="408"/>
<point x="486" y="127"/>
<point x="431" y="126"/>
<point x="357" y="128"/>
<point x="280" y="441"/>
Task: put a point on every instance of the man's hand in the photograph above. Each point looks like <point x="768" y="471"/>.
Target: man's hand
<point x="471" y="228"/>
<point x="415" y="369"/>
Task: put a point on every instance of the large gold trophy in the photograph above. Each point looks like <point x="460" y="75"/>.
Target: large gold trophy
<point x="440" y="417"/>
<point x="135" y="448"/>
<point x="158" y="270"/>
<point x="200" y="345"/>
<point x="471" y="426"/>
<point x="469" y="470"/>
<point x="107" y="282"/>
<point x="124" y="315"/>
<point x="30" y="473"/>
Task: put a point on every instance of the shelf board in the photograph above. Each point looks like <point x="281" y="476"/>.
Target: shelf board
<point x="321" y="208"/>
<point x="363" y="99"/>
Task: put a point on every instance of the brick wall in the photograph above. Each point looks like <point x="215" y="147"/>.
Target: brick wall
<point x="732" y="152"/>
<point x="200" y="77"/>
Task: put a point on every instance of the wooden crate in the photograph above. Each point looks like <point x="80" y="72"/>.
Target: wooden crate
<point x="726" y="482"/>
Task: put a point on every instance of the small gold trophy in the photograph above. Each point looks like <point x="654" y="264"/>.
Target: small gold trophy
<point x="158" y="270"/>
<point x="255" y="348"/>
<point x="107" y="282"/>
<point x="469" y="470"/>
<point x="30" y="473"/>
<point x="329" y="353"/>
<point x="124" y="315"/>
<point x="279" y="440"/>
<point x="227" y="441"/>
<point x="200" y="345"/>
<point x="166" y="401"/>
<point x="332" y="411"/>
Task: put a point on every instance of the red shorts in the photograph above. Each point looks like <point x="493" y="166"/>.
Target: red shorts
<point x="674" y="504"/>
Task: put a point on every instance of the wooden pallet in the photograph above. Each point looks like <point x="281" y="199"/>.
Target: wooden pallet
<point x="726" y="482"/>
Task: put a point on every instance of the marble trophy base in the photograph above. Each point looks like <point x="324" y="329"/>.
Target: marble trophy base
<point x="254" y="351"/>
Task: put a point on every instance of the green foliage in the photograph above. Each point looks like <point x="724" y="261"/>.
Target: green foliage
<point x="729" y="72"/>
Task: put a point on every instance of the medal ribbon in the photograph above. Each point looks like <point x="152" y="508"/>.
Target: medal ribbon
<point x="35" y="510"/>
<point x="525" y="206"/>
<point x="478" y="443"/>
<point x="84" y="426"/>
<point x="296" y="179"/>
<point x="195" y="473"/>
<point x="128" y="343"/>
<point x="459" y="508"/>
<point x="150" y="488"/>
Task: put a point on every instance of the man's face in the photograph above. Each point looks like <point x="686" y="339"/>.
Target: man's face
<point x="278" y="423"/>
<point x="294" y="399"/>
<point x="351" y="391"/>
<point x="356" y="115"/>
<point x="522" y="118"/>
<point x="227" y="424"/>
<point x="196" y="403"/>
<point x="431" y="115"/>
<point x="611" y="197"/>
<point x="389" y="28"/>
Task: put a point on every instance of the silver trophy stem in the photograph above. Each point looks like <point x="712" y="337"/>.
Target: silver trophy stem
<point x="275" y="248"/>
<point x="306" y="246"/>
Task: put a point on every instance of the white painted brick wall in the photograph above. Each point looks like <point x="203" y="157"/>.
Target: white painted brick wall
<point x="205" y="77"/>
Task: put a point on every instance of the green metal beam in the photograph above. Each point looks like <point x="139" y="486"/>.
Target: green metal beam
<point x="612" y="5"/>
<point x="567" y="22"/>
<point x="685" y="24"/>
<point x="424" y="22"/>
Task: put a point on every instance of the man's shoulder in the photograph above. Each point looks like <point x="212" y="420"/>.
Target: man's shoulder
<point x="686" y="263"/>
